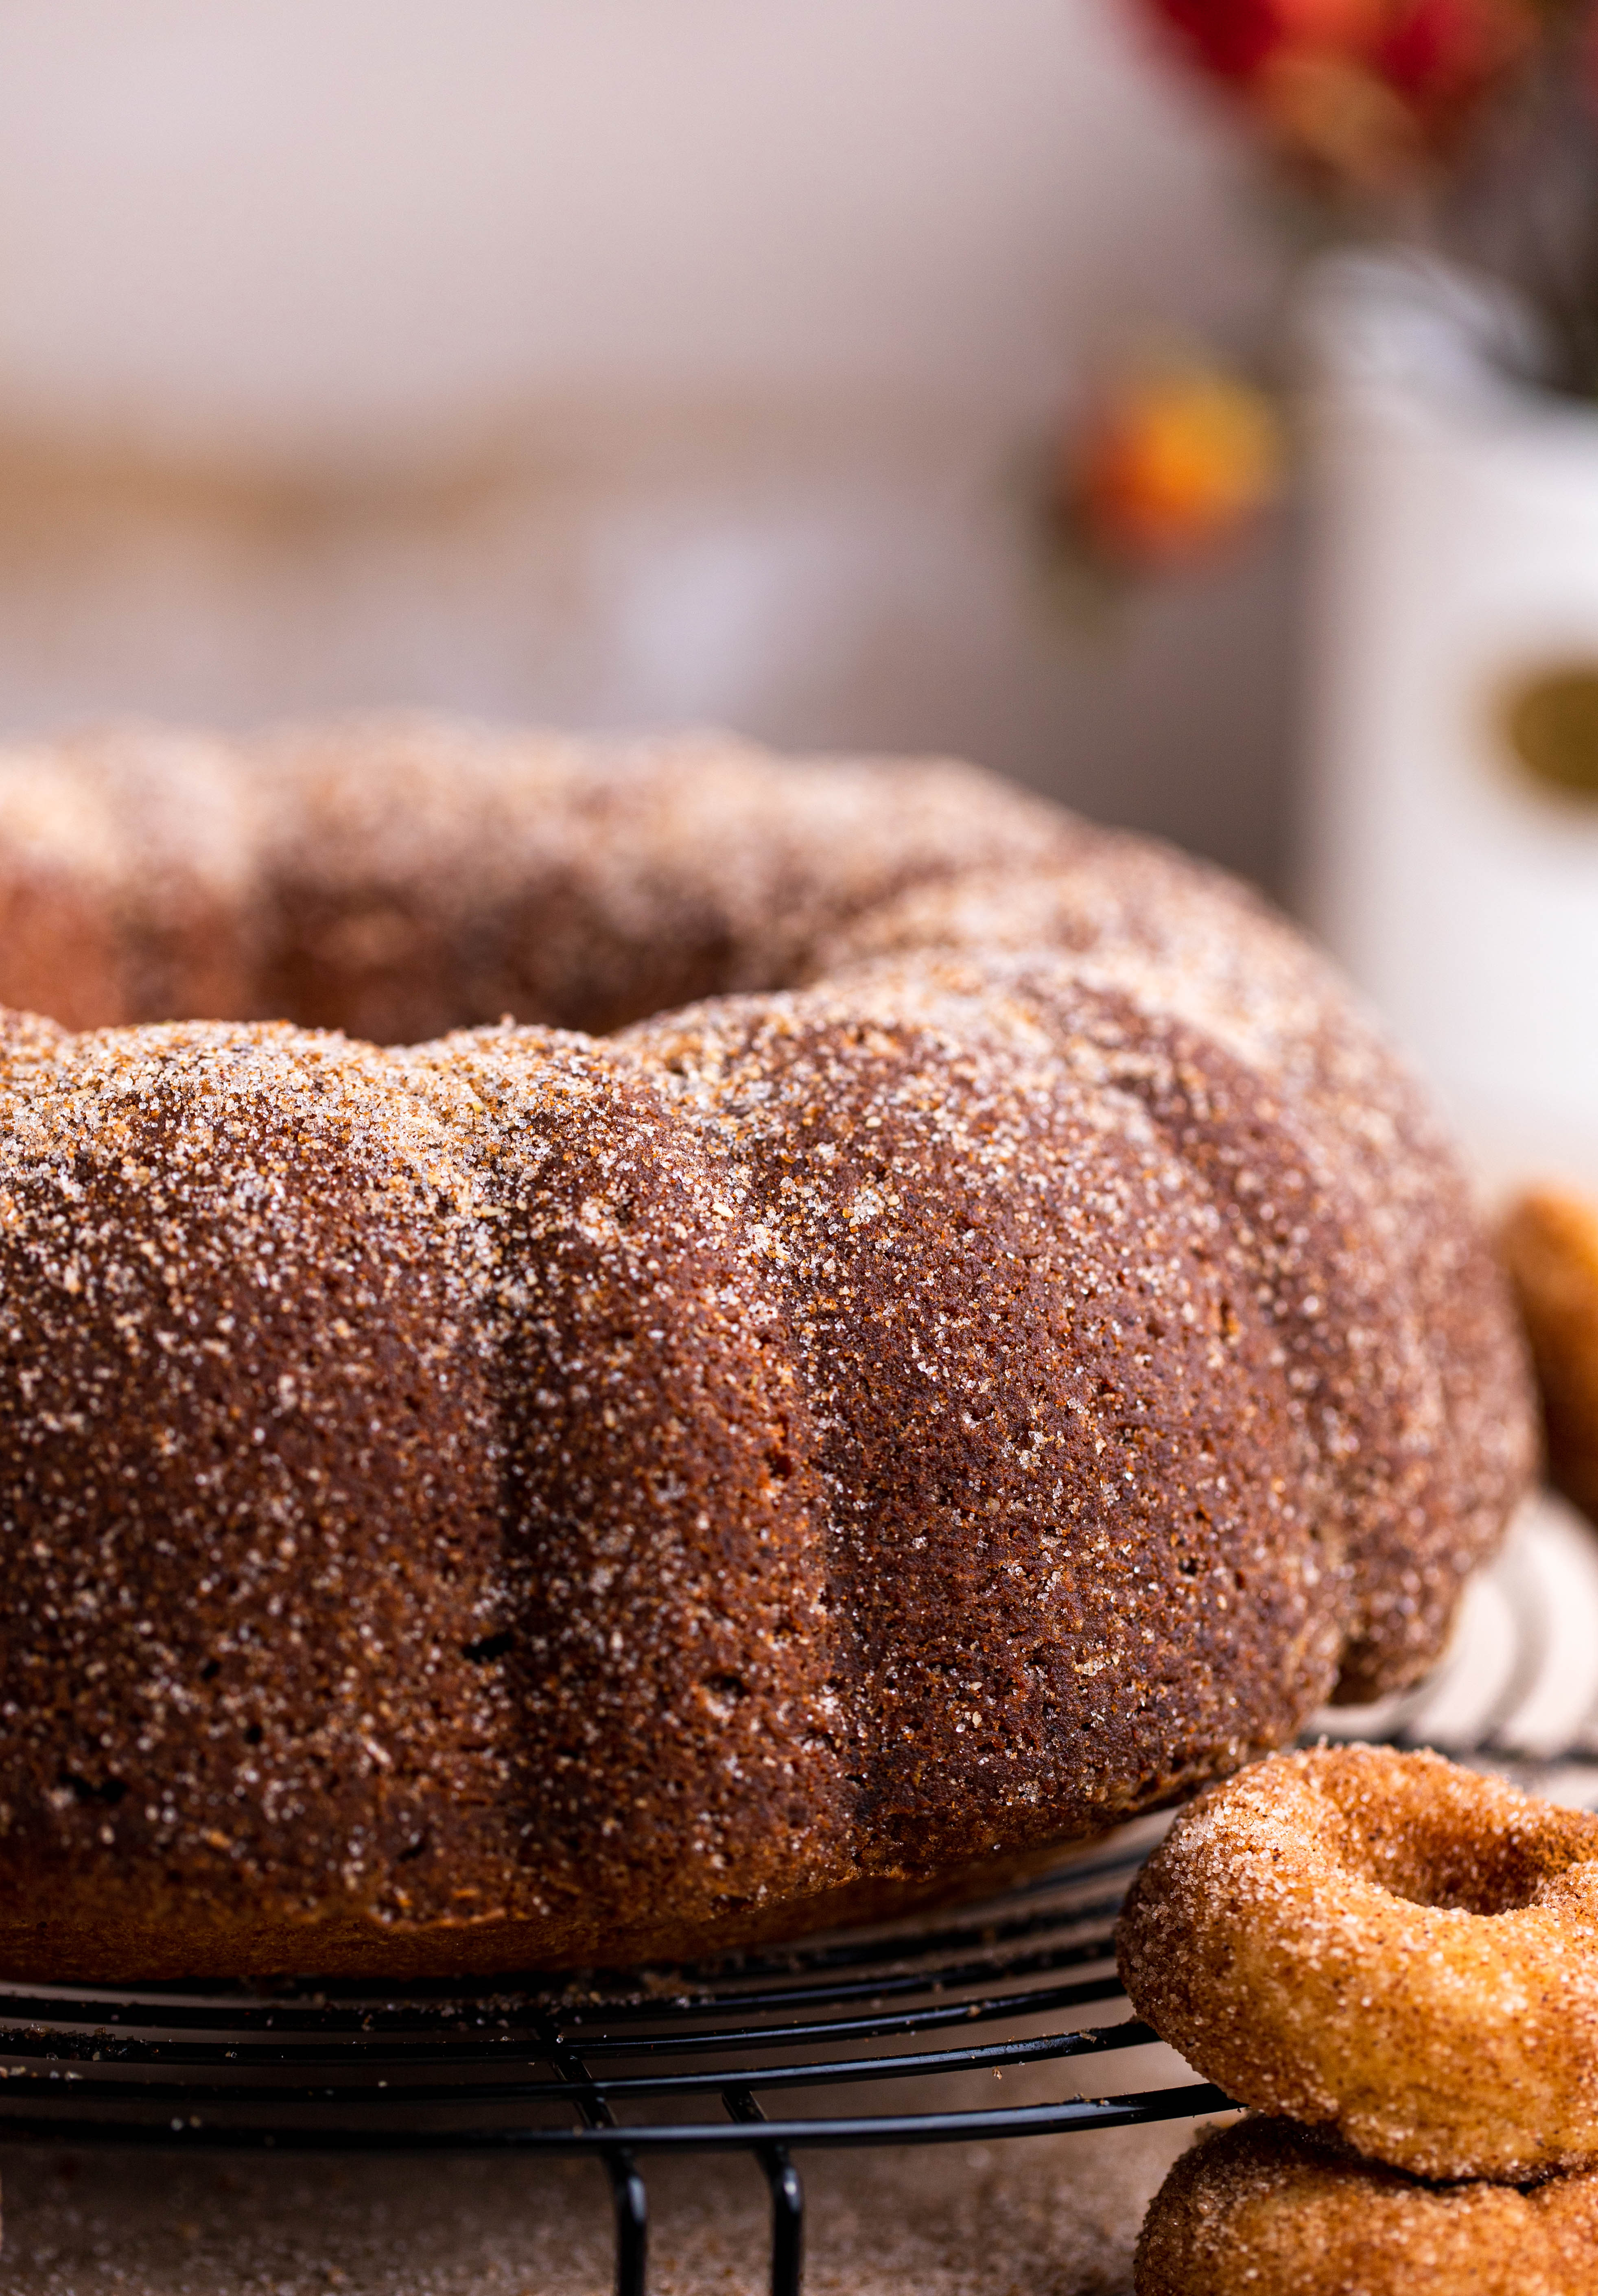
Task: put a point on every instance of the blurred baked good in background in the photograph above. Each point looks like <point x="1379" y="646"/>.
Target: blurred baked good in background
<point x="1549" y="1242"/>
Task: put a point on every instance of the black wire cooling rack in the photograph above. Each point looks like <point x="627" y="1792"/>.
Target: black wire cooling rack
<point x="758" y="2054"/>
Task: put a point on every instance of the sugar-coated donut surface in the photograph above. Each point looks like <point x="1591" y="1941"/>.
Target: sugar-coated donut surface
<point x="1386" y="1946"/>
<point x="539" y="1496"/>
<point x="1263" y="2208"/>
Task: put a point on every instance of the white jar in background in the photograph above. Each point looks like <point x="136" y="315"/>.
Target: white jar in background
<point x="1449" y="835"/>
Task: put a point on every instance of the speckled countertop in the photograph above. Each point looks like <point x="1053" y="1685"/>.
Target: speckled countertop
<point x="1041" y="2217"/>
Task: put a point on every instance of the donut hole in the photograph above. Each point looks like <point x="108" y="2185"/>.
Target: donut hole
<point x="1442" y="1856"/>
<point x="1469" y="1879"/>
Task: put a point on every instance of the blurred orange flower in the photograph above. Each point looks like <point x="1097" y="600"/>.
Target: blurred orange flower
<point x="1168" y="466"/>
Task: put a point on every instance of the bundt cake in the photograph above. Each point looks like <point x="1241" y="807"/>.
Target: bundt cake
<point x="652" y="1474"/>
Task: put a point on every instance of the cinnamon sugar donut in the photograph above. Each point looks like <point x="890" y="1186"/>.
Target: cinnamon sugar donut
<point x="1264" y="2207"/>
<point x="1387" y="1946"/>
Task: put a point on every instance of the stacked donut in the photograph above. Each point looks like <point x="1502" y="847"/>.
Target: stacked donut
<point x="1397" y="1960"/>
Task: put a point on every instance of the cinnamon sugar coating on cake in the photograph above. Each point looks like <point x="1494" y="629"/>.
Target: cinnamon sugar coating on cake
<point x="667" y="1632"/>
<point x="542" y="1496"/>
<point x="1064" y="1545"/>
<point x="1352" y="1220"/>
<point x="250" y="1462"/>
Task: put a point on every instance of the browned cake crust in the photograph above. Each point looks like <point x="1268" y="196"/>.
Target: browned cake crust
<point x="1262" y="2206"/>
<point x="533" y="1497"/>
<point x="1386" y="1945"/>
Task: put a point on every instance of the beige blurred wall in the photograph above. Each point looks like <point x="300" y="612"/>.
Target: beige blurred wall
<point x="613" y="360"/>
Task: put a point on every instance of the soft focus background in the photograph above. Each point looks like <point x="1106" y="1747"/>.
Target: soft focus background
<point x="620" y="362"/>
<point x="937" y="375"/>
